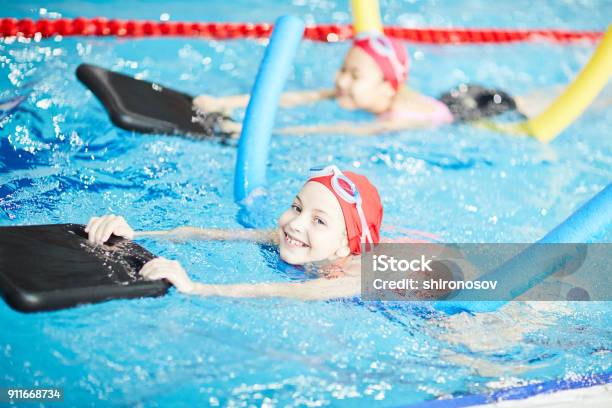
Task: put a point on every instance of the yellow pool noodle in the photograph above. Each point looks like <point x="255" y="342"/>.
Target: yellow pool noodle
<point x="570" y="104"/>
<point x="577" y="96"/>
<point x="366" y="16"/>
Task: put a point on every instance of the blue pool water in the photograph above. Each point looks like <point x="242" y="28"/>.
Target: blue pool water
<point x="61" y="160"/>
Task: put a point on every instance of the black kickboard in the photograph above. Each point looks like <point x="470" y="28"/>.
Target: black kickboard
<point x="50" y="267"/>
<point x="146" y="107"/>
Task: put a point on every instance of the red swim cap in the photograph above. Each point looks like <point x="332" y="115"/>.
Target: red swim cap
<point x="389" y="54"/>
<point x="370" y="203"/>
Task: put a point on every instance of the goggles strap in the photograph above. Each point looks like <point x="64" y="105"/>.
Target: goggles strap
<point x="365" y="229"/>
<point x="383" y="47"/>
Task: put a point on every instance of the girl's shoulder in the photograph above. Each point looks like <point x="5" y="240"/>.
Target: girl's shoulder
<point x="399" y="235"/>
<point x="411" y="106"/>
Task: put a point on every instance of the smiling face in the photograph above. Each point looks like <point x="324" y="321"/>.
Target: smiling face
<point x="312" y="229"/>
<point x="360" y="84"/>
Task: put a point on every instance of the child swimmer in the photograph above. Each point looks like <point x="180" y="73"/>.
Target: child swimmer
<point x="331" y="216"/>
<point x="372" y="79"/>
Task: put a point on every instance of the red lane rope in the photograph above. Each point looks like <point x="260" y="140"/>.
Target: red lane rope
<point x="99" y="26"/>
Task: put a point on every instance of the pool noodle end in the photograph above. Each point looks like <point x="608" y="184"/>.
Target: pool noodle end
<point x="571" y="103"/>
<point x="586" y="223"/>
<point x="577" y="96"/>
<point x="252" y="156"/>
<point x="366" y="17"/>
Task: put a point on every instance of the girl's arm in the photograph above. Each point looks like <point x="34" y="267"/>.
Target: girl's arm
<point x="213" y="234"/>
<point x="317" y="289"/>
<point x="291" y="99"/>
<point x="536" y="102"/>
<point x="288" y="99"/>
<point x="356" y="128"/>
<point x="224" y="104"/>
<point x="100" y="229"/>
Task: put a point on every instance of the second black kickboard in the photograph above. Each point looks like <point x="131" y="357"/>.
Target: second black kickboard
<point x="147" y="107"/>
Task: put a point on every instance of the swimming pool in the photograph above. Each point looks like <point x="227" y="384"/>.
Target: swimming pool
<point x="62" y="161"/>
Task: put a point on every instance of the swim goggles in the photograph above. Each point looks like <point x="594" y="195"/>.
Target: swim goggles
<point x="383" y="47"/>
<point x="347" y="190"/>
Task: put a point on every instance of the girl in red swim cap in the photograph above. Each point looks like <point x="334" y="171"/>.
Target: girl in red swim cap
<point x="372" y="78"/>
<point x="330" y="221"/>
